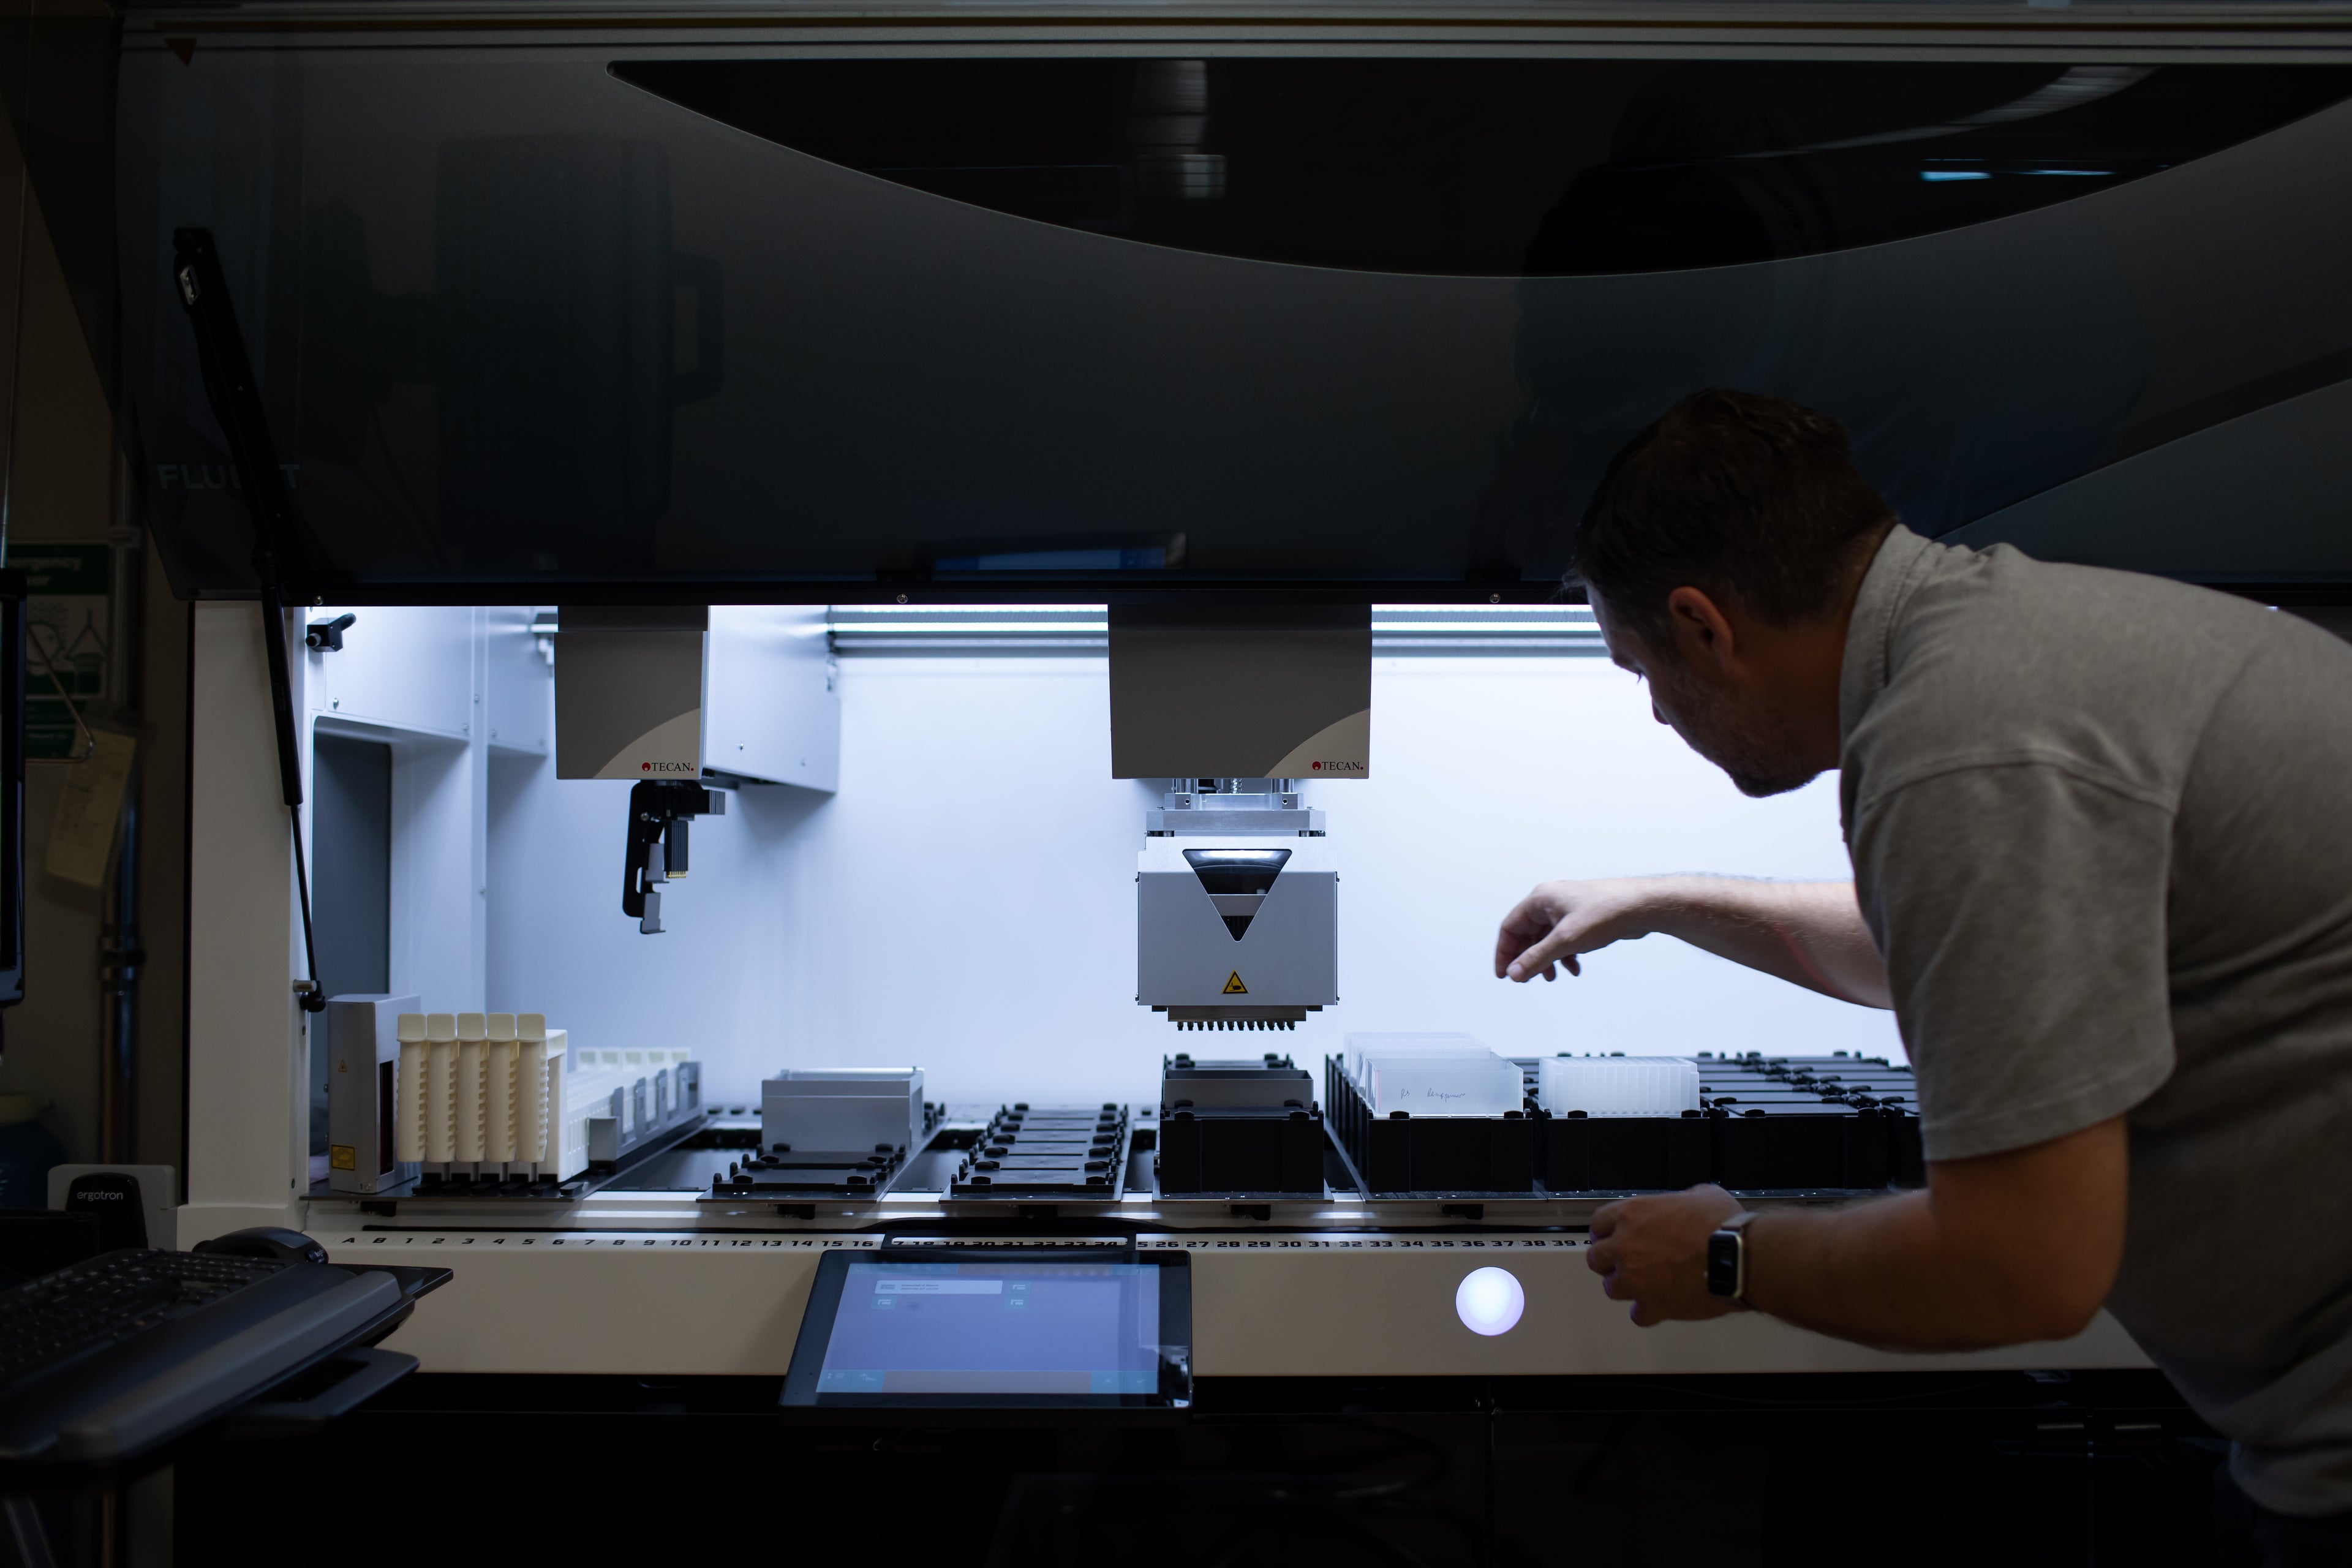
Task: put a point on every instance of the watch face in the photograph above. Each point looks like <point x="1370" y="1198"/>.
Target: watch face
<point x="1723" y="1262"/>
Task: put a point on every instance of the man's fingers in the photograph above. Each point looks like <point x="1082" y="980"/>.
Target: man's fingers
<point x="1605" y="1219"/>
<point x="1528" y="920"/>
<point x="1550" y="927"/>
<point x="1576" y="931"/>
<point x="1559" y="945"/>
<point x="1601" y="1259"/>
<point x="1614" y="1286"/>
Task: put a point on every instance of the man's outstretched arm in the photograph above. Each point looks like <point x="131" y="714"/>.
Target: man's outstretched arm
<point x="1809" y="933"/>
<point x="1998" y="1249"/>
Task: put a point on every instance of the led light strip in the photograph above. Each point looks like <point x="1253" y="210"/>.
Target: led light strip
<point x="1086" y="629"/>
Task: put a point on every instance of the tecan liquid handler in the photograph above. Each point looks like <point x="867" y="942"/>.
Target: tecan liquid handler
<point x="1237" y="907"/>
<point x="1237" y="900"/>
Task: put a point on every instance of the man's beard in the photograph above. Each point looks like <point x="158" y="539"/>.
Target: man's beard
<point x="1758" y="753"/>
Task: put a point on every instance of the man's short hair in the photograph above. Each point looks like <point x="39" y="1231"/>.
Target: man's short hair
<point x="1749" y="499"/>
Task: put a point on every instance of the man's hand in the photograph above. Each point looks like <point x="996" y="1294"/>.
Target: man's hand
<point x="1651" y="1252"/>
<point x="1560" y="919"/>
<point x="1809" y="933"/>
<point x="1999" y="1250"/>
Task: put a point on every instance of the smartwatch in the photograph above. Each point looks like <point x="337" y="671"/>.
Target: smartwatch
<point x="1726" y="1260"/>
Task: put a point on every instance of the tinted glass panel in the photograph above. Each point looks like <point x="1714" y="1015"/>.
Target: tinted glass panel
<point x="523" y="328"/>
<point x="351" y="839"/>
<point x="1496" y="167"/>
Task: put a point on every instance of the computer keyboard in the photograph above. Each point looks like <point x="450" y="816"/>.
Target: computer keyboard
<point x="109" y="1359"/>
<point x="58" y="1320"/>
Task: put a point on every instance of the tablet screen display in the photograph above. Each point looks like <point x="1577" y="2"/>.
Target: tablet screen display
<point x="1000" y="1330"/>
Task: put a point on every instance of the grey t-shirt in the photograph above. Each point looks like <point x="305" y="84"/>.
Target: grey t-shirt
<point x="2102" y="830"/>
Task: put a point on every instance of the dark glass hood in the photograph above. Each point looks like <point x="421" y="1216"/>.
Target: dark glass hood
<point x="1534" y="168"/>
<point x="732" y="328"/>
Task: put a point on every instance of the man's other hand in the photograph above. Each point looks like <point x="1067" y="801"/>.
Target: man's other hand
<point x="1651" y="1252"/>
<point x="1559" y="920"/>
<point x="1998" y="1249"/>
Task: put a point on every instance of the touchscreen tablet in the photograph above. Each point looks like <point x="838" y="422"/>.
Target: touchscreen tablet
<point x="1018" y="1330"/>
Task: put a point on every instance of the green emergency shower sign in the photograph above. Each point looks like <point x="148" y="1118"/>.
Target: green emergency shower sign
<point x="64" y="641"/>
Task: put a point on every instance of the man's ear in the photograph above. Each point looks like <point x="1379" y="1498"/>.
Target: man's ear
<point x="1702" y="632"/>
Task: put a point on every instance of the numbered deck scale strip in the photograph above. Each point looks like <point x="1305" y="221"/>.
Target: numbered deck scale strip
<point x="1286" y="1303"/>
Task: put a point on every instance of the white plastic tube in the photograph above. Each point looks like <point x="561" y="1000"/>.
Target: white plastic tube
<point x="408" y="1090"/>
<point x="440" y="1087"/>
<point x="498" y="1099"/>
<point x="567" y="1156"/>
<point x="473" y="1087"/>
<point x="530" y="1085"/>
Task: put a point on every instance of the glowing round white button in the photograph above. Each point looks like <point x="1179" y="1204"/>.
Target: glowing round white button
<point x="1489" y="1302"/>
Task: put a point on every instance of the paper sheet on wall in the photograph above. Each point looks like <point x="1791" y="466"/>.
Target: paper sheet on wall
<point x="81" y="838"/>
<point x="65" y="643"/>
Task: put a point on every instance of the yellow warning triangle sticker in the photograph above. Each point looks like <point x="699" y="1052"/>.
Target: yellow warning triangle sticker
<point x="1233" y="986"/>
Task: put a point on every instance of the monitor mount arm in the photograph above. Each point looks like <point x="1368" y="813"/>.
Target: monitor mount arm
<point x="277" y="554"/>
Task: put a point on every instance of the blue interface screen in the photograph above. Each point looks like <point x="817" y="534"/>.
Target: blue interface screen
<point x="995" y="1327"/>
